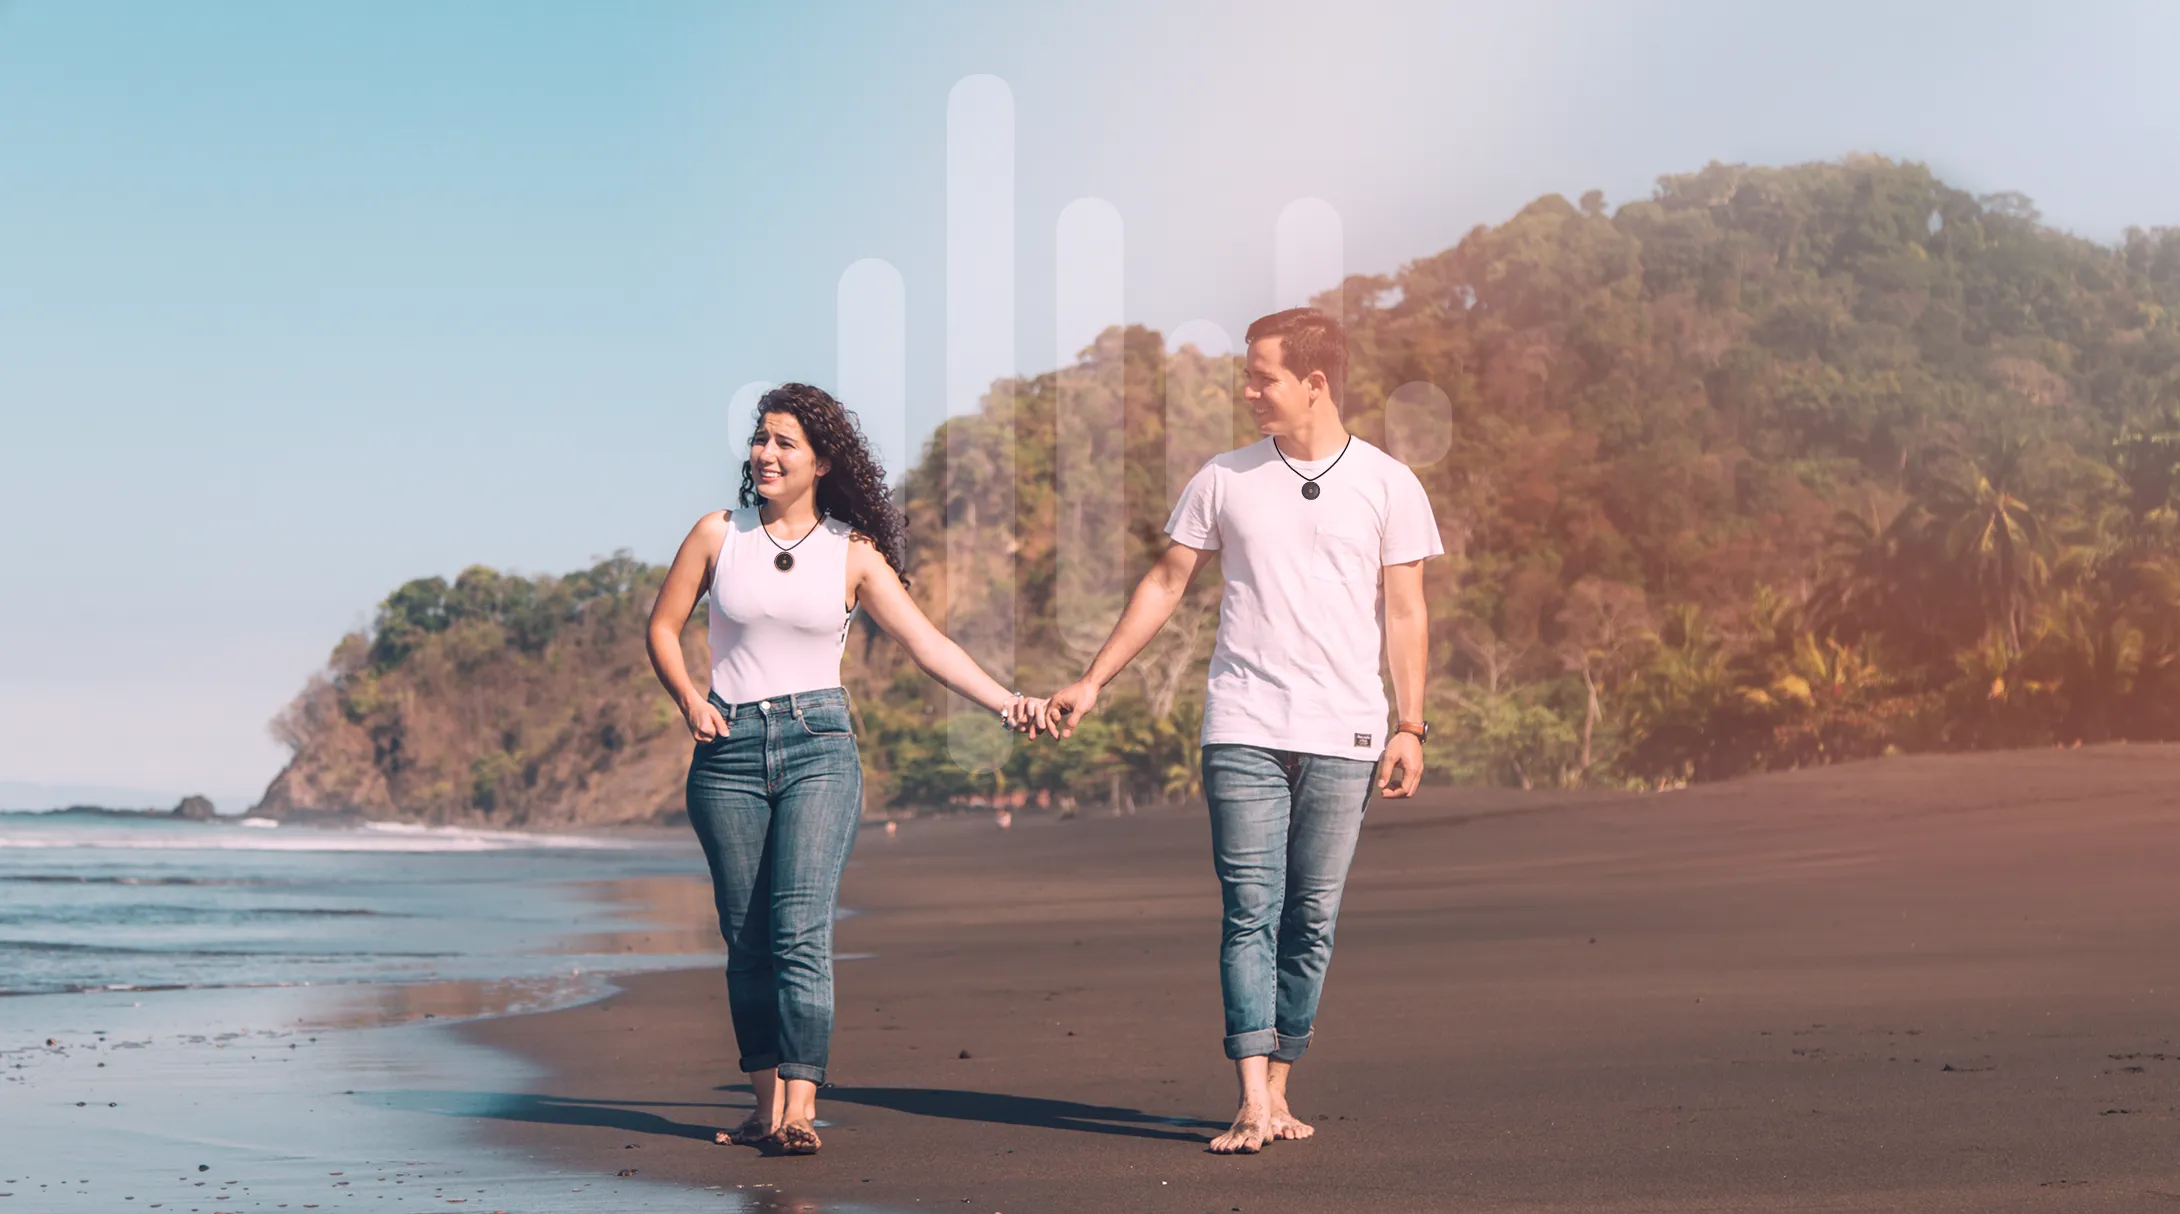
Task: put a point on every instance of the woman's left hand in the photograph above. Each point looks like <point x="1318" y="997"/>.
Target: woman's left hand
<point x="1024" y="714"/>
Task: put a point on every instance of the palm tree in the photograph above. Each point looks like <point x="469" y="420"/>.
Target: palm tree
<point x="1888" y="577"/>
<point x="1825" y="701"/>
<point x="2114" y="617"/>
<point x="1993" y="538"/>
<point x="1672" y="703"/>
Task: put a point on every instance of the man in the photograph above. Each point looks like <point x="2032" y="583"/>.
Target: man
<point x="1308" y="526"/>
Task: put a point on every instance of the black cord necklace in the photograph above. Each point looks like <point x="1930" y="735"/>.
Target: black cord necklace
<point x="1309" y="483"/>
<point x="786" y="559"/>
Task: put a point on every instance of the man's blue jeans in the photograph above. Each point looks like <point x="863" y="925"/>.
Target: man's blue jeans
<point x="776" y="803"/>
<point x="1283" y="830"/>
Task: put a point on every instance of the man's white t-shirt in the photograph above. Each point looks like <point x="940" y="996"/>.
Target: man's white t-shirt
<point x="1301" y="622"/>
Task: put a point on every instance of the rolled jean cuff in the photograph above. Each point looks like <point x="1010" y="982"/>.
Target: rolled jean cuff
<point x="803" y="1070"/>
<point x="753" y="1063"/>
<point x="1255" y="1043"/>
<point x="1290" y="1048"/>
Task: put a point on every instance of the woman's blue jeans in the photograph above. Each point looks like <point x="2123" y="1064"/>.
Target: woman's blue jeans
<point x="776" y="802"/>
<point x="1283" y="831"/>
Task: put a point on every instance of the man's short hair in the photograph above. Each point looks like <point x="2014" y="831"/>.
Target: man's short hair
<point x="1309" y="340"/>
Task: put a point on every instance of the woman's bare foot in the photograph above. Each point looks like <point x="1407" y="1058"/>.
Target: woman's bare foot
<point x="1286" y="1125"/>
<point x="766" y="1111"/>
<point x="795" y="1137"/>
<point x="1252" y="1129"/>
<point x="754" y="1129"/>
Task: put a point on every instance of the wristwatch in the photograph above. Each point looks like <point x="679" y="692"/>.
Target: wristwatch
<point x="1421" y="729"/>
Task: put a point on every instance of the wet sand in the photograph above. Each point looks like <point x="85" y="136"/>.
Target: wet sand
<point x="1946" y="983"/>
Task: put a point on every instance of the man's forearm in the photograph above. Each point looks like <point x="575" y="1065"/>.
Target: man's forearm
<point x="1148" y="609"/>
<point x="1407" y="637"/>
<point x="1408" y="641"/>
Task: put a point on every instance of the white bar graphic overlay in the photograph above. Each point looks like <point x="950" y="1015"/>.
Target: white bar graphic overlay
<point x="1310" y="253"/>
<point x="1090" y="422"/>
<point x="979" y="368"/>
<point x="1418" y="424"/>
<point x="979" y="240"/>
<point x="742" y="409"/>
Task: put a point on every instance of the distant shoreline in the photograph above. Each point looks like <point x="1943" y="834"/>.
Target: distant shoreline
<point x="192" y="808"/>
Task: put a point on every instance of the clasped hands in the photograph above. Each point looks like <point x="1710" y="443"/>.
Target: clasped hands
<point x="1024" y="714"/>
<point x="1055" y="714"/>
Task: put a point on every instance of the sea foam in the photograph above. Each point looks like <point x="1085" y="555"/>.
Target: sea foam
<point x="369" y="837"/>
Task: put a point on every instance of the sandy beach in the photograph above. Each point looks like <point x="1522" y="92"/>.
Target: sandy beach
<point x="1918" y="984"/>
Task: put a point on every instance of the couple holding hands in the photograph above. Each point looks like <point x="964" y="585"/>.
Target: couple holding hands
<point x="1321" y="539"/>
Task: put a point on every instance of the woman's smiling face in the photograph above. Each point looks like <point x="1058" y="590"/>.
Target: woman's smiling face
<point x="781" y="461"/>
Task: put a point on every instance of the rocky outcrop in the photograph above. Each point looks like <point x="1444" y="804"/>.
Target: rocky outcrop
<point x="502" y="701"/>
<point x="195" y="809"/>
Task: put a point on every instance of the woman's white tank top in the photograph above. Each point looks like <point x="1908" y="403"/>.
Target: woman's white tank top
<point x="778" y="631"/>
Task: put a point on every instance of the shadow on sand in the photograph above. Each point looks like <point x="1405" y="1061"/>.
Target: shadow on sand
<point x="628" y="1115"/>
<point x="999" y="1109"/>
<point x="635" y="1117"/>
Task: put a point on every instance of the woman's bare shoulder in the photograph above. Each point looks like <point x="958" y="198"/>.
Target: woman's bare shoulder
<point x="709" y="530"/>
<point x="862" y="550"/>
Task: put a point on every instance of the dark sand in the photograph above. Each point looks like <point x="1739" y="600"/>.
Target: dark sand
<point x="1933" y="983"/>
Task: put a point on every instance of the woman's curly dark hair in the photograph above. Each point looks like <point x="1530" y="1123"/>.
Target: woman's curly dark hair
<point x="854" y="491"/>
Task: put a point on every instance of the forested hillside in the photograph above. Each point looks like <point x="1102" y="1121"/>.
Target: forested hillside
<point x="1777" y="467"/>
<point x="503" y="700"/>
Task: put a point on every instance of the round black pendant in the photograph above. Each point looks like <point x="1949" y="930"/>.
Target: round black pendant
<point x="1310" y="490"/>
<point x="784" y="561"/>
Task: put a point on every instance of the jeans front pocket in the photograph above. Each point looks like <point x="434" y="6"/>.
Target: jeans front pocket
<point x="827" y="718"/>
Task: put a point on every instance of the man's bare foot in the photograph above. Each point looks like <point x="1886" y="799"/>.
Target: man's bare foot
<point x="795" y="1137"/>
<point x="754" y="1129"/>
<point x="1250" y="1132"/>
<point x="1283" y="1122"/>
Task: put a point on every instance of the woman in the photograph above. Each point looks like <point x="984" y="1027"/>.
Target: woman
<point x="775" y="786"/>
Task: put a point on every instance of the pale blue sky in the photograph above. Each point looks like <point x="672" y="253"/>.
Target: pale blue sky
<point x="298" y="301"/>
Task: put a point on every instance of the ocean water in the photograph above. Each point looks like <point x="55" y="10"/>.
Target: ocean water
<point x="91" y="902"/>
<point x="223" y="1017"/>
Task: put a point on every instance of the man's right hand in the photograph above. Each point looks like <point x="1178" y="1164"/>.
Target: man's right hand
<point x="1069" y="705"/>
